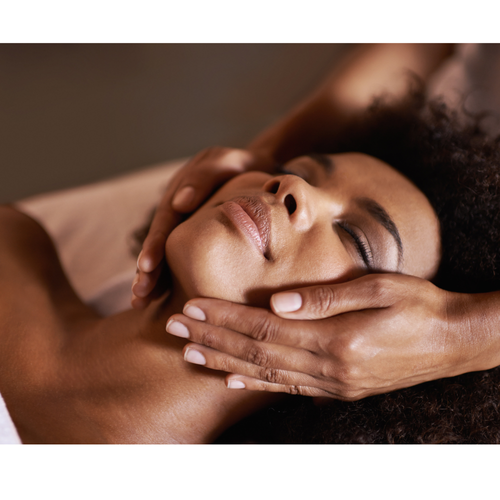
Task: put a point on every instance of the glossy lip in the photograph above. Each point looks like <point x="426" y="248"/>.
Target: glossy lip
<point x="253" y="217"/>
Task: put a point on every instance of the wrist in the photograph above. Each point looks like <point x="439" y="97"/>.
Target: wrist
<point x="474" y="320"/>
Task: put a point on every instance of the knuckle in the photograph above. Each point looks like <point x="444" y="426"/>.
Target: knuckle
<point x="350" y="395"/>
<point x="347" y="349"/>
<point x="257" y="356"/>
<point x="298" y="390"/>
<point x="271" y="375"/>
<point x="322" y="300"/>
<point x="349" y="376"/>
<point x="265" y="330"/>
<point x="381" y="287"/>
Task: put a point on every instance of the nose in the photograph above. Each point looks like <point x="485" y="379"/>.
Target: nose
<point x="297" y="197"/>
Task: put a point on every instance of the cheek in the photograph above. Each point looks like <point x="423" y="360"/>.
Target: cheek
<point x="209" y="261"/>
<point x="318" y="257"/>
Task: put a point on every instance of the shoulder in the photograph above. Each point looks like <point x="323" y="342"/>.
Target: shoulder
<point x="30" y="270"/>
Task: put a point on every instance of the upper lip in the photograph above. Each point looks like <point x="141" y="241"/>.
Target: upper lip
<point x="260" y="213"/>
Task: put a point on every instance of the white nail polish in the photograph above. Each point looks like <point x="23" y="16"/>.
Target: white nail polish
<point x="177" y="329"/>
<point x="235" y="384"/>
<point x="195" y="357"/>
<point x="194" y="313"/>
<point x="287" y="302"/>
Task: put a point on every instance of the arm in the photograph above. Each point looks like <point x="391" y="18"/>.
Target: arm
<point x="373" y="335"/>
<point x="365" y="73"/>
<point x="369" y="71"/>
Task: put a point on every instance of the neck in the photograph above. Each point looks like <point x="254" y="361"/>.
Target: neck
<point x="206" y="407"/>
<point x="122" y="379"/>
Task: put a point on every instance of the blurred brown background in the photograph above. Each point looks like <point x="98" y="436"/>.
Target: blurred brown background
<point x="72" y="114"/>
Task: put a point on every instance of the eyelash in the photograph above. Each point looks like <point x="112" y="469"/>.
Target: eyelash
<point x="281" y="170"/>
<point x="363" y="249"/>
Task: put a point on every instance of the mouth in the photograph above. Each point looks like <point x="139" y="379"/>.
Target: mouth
<point x="253" y="217"/>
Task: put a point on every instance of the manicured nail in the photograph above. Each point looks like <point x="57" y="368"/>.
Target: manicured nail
<point x="183" y="197"/>
<point x="177" y="329"/>
<point x="194" y="313"/>
<point x="134" y="285"/>
<point x="195" y="357"/>
<point x="287" y="302"/>
<point x="145" y="265"/>
<point x="235" y="384"/>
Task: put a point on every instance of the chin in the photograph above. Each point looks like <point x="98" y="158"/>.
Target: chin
<point x="206" y="263"/>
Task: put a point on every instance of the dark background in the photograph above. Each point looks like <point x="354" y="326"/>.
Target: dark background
<point x="72" y="114"/>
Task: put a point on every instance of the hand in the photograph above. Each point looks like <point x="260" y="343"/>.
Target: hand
<point x="372" y="335"/>
<point x="189" y="188"/>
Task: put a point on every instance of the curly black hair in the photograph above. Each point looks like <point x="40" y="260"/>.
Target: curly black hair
<point x="457" y="166"/>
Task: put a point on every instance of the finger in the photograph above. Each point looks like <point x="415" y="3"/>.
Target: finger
<point x="260" y="324"/>
<point x="206" y="172"/>
<point x="153" y="248"/>
<point x="265" y="361"/>
<point x="145" y="282"/>
<point x="317" y="302"/>
<point x="157" y="286"/>
<point x="215" y="360"/>
<point x="253" y="384"/>
<point x="184" y="194"/>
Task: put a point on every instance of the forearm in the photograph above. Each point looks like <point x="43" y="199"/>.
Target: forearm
<point x="368" y="71"/>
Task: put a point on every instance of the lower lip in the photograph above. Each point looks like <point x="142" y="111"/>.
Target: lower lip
<point x="243" y="222"/>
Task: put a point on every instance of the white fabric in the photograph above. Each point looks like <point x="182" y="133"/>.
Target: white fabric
<point x="8" y="433"/>
<point x="92" y="227"/>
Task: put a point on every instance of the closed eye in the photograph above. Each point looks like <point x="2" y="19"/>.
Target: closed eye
<point x="362" y="247"/>
<point x="296" y="169"/>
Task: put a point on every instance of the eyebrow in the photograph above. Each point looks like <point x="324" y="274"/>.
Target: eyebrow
<point x="384" y="219"/>
<point x="325" y="161"/>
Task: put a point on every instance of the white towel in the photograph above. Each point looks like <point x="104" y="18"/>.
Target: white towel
<point x="8" y="433"/>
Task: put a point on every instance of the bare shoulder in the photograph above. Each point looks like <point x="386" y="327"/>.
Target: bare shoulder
<point x="30" y="269"/>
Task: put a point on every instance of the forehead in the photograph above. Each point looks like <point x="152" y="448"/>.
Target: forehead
<point x="354" y="176"/>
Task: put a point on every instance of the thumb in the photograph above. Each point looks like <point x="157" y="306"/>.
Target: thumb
<point x="323" y="301"/>
<point x="208" y="171"/>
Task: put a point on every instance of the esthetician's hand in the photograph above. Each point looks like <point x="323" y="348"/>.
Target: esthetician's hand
<point x="190" y="187"/>
<point x="347" y="341"/>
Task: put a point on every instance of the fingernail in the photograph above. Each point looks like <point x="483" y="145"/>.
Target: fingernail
<point x="195" y="357"/>
<point x="184" y="197"/>
<point x="287" y="302"/>
<point x="235" y="384"/>
<point x="145" y="266"/>
<point x="194" y="313"/>
<point x="177" y="329"/>
<point x="136" y="279"/>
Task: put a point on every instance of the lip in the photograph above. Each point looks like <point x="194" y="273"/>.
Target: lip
<point x="253" y="217"/>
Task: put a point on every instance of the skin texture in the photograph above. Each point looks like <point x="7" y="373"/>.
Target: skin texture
<point x="68" y="375"/>
<point x="415" y="310"/>
<point x="311" y="215"/>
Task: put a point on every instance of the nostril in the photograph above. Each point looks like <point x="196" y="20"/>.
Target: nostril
<point x="274" y="187"/>
<point x="290" y="204"/>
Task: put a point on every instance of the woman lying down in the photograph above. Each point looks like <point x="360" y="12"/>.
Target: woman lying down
<point x="407" y="191"/>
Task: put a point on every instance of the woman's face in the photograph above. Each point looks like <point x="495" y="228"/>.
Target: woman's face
<point x="323" y="219"/>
